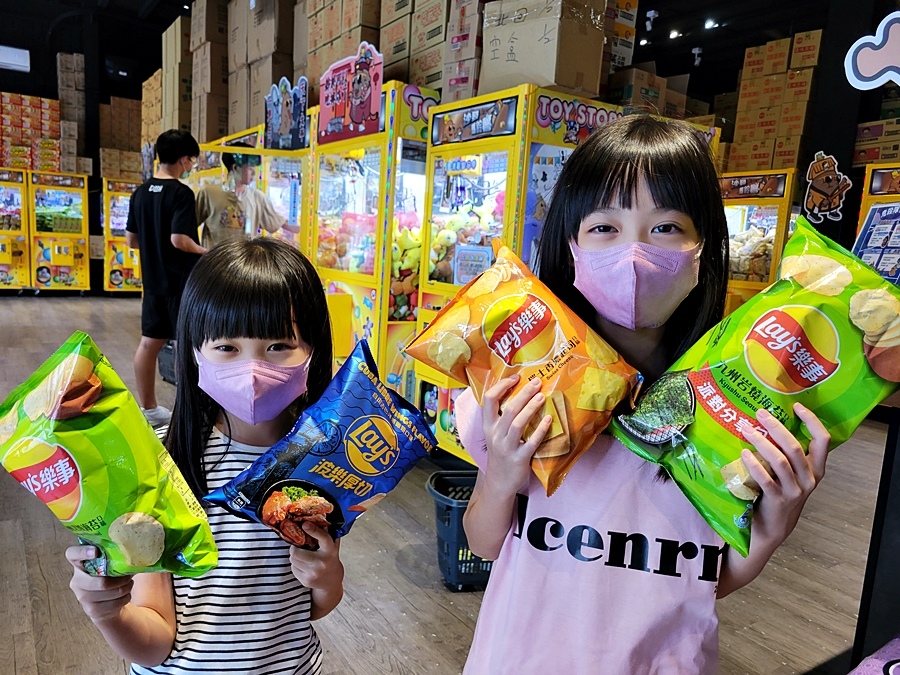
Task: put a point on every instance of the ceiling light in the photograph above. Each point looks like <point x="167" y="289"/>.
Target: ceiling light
<point x="674" y="34"/>
<point x="643" y="42"/>
<point x="710" y="24"/>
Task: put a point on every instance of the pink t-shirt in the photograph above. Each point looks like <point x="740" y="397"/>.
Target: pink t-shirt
<point x="615" y="573"/>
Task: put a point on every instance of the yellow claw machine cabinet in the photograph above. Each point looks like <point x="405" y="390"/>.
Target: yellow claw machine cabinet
<point x="878" y="237"/>
<point x="493" y="162"/>
<point x="758" y="208"/>
<point x="59" y="231"/>
<point x="15" y="257"/>
<point x="121" y="263"/>
<point x="369" y="202"/>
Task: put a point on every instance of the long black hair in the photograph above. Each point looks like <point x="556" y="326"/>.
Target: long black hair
<point x="606" y="170"/>
<point x="260" y="288"/>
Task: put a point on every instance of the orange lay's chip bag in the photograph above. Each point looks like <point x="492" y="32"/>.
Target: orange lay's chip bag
<point x="507" y="322"/>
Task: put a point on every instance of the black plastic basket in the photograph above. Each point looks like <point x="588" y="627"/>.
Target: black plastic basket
<point x="462" y="570"/>
<point x="167" y="362"/>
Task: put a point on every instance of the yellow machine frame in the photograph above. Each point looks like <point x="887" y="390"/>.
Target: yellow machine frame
<point x="121" y="263"/>
<point x="881" y="189"/>
<point x="60" y="260"/>
<point x="15" y="242"/>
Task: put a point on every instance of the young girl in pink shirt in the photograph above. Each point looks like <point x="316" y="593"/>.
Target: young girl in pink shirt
<point x="617" y="572"/>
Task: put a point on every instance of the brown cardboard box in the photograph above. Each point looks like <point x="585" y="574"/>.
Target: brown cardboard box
<point x="753" y="156"/>
<point x="67" y="148"/>
<point x="301" y="36"/>
<point x="210" y="72"/>
<point x="805" y="52"/>
<point x="745" y="127"/>
<point x="777" y="56"/>
<point x="879" y="131"/>
<point x="798" y="85"/>
<point x="767" y="121"/>
<point x="771" y="91"/>
<point x="464" y="32"/>
<point x="429" y="26"/>
<point x="263" y="74"/>
<point x="676" y="96"/>
<point x="546" y="52"/>
<point x="85" y="165"/>
<point x="361" y="13"/>
<point x="754" y="62"/>
<point x="391" y="10"/>
<point x="238" y="18"/>
<point x="694" y="107"/>
<point x="239" y="100"/>
<point x="637" y="88"/>
<point x="793" y="119"/>
<point x="786" y="154"/>
<point x="68" y="130"/>
<point x="460" y="80"/>
<point x="65" y="63"/>
<point x="270" y="29"/>
<point x="109" y="162"/>
<point x="315" y="35"/>
<point x="863" y="155"/>
<point x="314" y="6"/>
<point x="68" y="164"/>
<point x="395" y="40"/>
<point x="209" y="117"/>
<point x="330" y="18"/>
<point x="398" y="70"/>
<point x="426" y="69"/>
<point x="725" y="102"/>
<point x="723" y="151"/>
<point x="750" y="94"/>
<point x="177" y="43"/>
<point x="350" y="40"/>
<point x="177" y="88"/>
<point x="209" y="22"/>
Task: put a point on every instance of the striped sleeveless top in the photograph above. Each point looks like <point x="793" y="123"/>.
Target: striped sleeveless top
<point x="250" y="614"/>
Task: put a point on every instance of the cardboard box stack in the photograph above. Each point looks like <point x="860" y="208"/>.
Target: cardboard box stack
<point x="463" y="49"/>
<point x="427" y="40"/>
<point x="555" y="44"/>
<point x="123" y="164"/>
<point x="176" y="76"/>
<point x="238" y="68"/>
<point x="360" y="20"/>
<point x="635" y="88"/>
<point x="773" y="103"/>
<point x="270" y="41"/>
<point x="70" y="82"/>
<point x="151" y="108"/>
<point x="301" y="43"/>
<point x="30" y="131"/>
<point x="210" y="68"/>
<point x="120" y="124"/>
<point x="877" y="141"/>
<point x="394" y="38"/>
<point x="621" y="28"/>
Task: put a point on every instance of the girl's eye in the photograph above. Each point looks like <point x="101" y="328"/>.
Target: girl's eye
<point x="667" y="228"/>
<point x="224" y="348"/>
<point x="601" y="228"/>
<point x="279" y="347"/>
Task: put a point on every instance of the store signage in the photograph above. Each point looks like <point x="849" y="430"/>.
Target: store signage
<point x="349" y="96"/>
<point x="874" y="60"/>
<point x="578" y="118"/>
<point x="885" y="181"/>
<point x="878" y="242"/>
<point x="763" y="186"/>
<point x="121" y="186"/>
<point x="494" y="118"/>
<point x="7" y="176"/>
<point x="417" y="102"/>
<point x="57" y="180"/>
<point x="287" y="122"/>
<point x="469" y="165"/>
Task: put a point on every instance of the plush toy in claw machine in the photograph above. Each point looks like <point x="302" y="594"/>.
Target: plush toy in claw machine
<point x="286" y="115"/>
<point x="406" y="252"/>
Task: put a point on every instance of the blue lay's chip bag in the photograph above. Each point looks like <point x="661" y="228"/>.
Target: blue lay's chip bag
<point x="344" y="454"/>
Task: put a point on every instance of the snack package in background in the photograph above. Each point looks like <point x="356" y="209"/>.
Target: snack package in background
<point x="506" y="322"/>
<point x="74" y="437"/>
<point x="344" y="454"/>
<point x="826" y="335"/>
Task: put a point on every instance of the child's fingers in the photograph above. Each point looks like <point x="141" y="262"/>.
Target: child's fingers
<point x="757" y="471"/>
<point x="820" y="439"/>
<point x="537" y="437"/>
<point x="491" y="402"/>
<point x="76" y="555"/>
<point x="523" y="418"/>
<point x="782" y="471"/>
<point x="326" y="543"/>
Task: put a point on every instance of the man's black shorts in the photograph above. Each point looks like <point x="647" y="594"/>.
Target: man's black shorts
<point x="159" y="316"/>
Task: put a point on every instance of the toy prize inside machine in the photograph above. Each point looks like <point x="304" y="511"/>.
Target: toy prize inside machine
<point x="758" y="211"/>
<point x="15" y="258"/>
<point x="878" y="239"/>
<point x="369" y="203"/>
<point x="59" y="231"/>
<point x="286" y="165"/>
<point x="121" y="264"/>
<point x="493" y="162"/>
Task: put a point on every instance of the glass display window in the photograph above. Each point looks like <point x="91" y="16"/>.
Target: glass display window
<point x="11" y="209"/>
<point x="752" y="231"/>
<point x="58" y="211"/>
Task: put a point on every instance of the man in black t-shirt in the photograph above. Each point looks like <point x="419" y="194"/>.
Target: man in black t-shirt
<point x="162" y="224"/>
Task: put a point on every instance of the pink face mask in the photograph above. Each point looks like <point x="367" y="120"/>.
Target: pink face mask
<point x="253" y="391"/>
<point x="636" y="285"/>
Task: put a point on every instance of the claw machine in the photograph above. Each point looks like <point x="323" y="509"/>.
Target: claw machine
<point x="121" y="263"/>
<point x="59" y="231"/>
<point x="759" y="214"/>
<point x="15" y="257"/>
<point x="878" y="238"/>
<point x="369" y="203"/>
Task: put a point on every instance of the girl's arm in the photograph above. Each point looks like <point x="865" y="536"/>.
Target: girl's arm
<point x="321" y="571"/>
<point x="136" y="615"/>
<point x="784" y="493"/>
<point x="490" y="510"/>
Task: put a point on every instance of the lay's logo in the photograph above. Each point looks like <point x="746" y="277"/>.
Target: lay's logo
<point x="521" y="329"/>
<point x="371" y="445"/>
<point x="792" y="348"/>
<point x="49" y="472"/>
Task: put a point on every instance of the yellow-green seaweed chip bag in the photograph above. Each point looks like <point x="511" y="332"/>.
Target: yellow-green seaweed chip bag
<point x="74" y="437"/>
<point x="823" y="335"/>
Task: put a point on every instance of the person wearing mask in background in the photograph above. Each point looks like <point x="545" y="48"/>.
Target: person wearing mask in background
<point x="162" y="225"/>
<point x="237" y="209"/>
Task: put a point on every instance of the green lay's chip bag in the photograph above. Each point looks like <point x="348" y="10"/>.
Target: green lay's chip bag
<point x="826" y="335"/>
<point x="74" y="437"/>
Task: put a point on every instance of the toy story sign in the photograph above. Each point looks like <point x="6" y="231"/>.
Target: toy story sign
<point x="287" y="124"/>
<point x="350" y="96"/>
<point x="414" y="111"/>
<point x="576" y="118"/>
<point x="494" y="118"/>
<point x="874" y="60"/>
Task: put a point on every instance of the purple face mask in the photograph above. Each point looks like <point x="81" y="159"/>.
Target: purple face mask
<point x="252" y="391"/>
<point x="636" y="285"/>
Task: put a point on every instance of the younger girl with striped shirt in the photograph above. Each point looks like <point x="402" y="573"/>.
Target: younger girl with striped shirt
<point x="254" y="349"/>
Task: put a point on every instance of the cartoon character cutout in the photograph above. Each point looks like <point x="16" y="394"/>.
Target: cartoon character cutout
<point x="361" y="86"/>
<point x="893" y="185"/>
<point x="826" y="190"/>
<point x="451" y="127"/>
<point x="284" y="127"/>
<point x="572" y="129"/>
